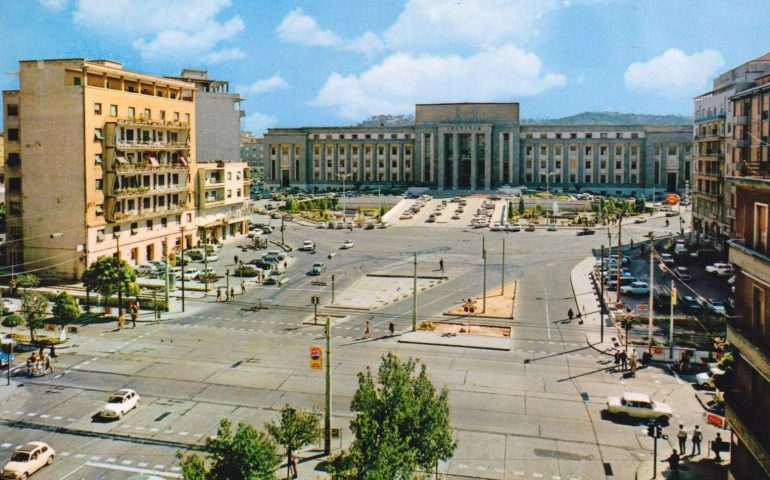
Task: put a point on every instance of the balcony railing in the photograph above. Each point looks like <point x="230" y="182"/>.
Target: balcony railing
<point x="138" y="191"/>
<point x="754" y="169"/>
<point x="142" y="145"/>
<point x="137" y="121"/>
<point x="147" y="166"/>
<point x="148" y="213"/>
<point x="709" y="118"/>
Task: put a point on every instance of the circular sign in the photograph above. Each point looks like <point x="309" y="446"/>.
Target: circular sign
<point x="641" y="307"/>
<point x="672" y="198"/>
<point x="315" y="353"/>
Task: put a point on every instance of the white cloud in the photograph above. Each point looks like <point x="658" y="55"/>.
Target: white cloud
<point x="369" y="44"/>
<point x="401" y="80"/>
<point x="55" y="5"/>
<point x="185" y="29"/>
<point x="258" y="123"/>
<point x="276" y="82"/>
<point x="301" y="29"/>
<point x="438" y="24"/>
<point x="674" y="73"/>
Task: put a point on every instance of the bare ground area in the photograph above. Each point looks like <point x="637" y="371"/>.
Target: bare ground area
<point x="454" y="328"/>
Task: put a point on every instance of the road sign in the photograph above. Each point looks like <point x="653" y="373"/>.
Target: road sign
<point x="672" y="198"/>
<point x="316" y="357"/>
<point x="641" y="307"/>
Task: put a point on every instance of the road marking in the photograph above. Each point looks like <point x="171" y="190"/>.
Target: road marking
<point x="142" y="464"/>
<point x="132" y="469"/>
<point x="547" y="315"/>
<point x="140" y="428"/>
<point x="537" y="475"/>
<point x="57" y="417"/>
<point x="184" y="434"/>
<point x="19" y="413"/>
<point x="153" y="429"/>
<point x="555" y="477"/>
<point x="462" y="465"/>
<point x="79" y="455"/>
<point x="126" y="462"/>
<point x="32" y="414"/>
<point x="518" y="473"/>
<point x="160" y="467"/>
<point x="95" y="458"/>
<point x="45" y="415"/>
<point x="481" y="468"/>
<point x="5" y="445"/>
<point x="111" y="460"/>
<point x="176" y="468"/>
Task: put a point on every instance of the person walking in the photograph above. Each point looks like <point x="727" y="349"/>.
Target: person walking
<point x="367" y="331"/>
<point x="134" y="315"/>
<point x="227" y="295"/>
<point x="623" y="361"/>
<point x="392" y="328"/>
<point x="681" y="435"/>
<point x="232" y="293"/>
<point x="235" y="260"/>
<point x="697" y="438"/>
<point x="52" y="353"/>
<point x="219" y="294"/>
<point x="48" y="365"/>
<point x="293" y="466"/>
<point x="616" y="356"/>
<point x="30" y="363"/>
<point x="717" y="447"/>
<point x="570" y="314"/>
<point x="441" y="264"/>
<point x="632" y="364"/>
<point x="673" y="464"/>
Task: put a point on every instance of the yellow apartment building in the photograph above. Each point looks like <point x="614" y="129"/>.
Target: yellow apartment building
<point x="222" y="200"/>
<point x="97" y="158"/>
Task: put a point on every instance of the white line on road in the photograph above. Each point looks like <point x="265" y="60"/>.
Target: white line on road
<point x="547" y="316"/>
<point x="131" y="469"/>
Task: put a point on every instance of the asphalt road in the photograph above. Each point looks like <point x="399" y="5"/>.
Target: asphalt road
<point x="532" y="412"/>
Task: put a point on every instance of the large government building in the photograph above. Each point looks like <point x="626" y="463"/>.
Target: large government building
<point x="482" y="146"/>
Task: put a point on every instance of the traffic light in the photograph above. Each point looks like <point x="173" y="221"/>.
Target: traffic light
<point x="658" y="430"/>
<point x="651" y="430"/>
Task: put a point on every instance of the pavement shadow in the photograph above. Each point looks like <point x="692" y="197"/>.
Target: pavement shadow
<point x="557" y="354"/>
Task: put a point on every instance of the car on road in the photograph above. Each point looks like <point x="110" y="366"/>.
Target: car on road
<point x="456" y="216"/>
<point x="683" y="273"/>
<point x="640" y="220"/>
<point x="348" y="244"/>
<point x="667" y="258"/>
<point x="552" y="227"/>
<point x="689" y="304"/>
<point x="612" y="283"/>
<point x="27" y="460"/>
<point x="727" y="271"/>
<point x="307" y="246"/>
<point x="635" y="288"/>
<point x="672" y="214"/>
<point x="496" y="227"/>
<point x="317" y="268"/>
<point x="120" y="403"/>
<point x="249" y="270"/>
<point x="638" y="405"/>
<point x="405" y="216"/>
<point x="586" y="231"/>
<point x="431" y="218"/>
<point x="530" y="228"/>
<point x="11" y="305"/>
<point x="706" y="379"/>
<point x="716" y="305"/>
<point x="275" y="278"/>
<point x="190" y="273"/>
<point x="716" y="266"/>
<point x="513" y="227"/>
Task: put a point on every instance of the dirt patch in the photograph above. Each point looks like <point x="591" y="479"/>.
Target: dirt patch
<point x="498" y="305"/>
<point x="456" y="328"/>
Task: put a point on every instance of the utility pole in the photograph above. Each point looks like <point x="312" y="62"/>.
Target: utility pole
<point x="205" y="262"/>
<point x="502" y="272"/>
<point x="484" y="256"/>
<point x="652" y="289"/>
<point x="227" y="284"/>
<point x="328" y="413"/>
<point x="315" y="299"/>
<point x="183" y="267"/>
<point x="332" y="288"/>
<point x="414" y="296"/>
<point x="671" y="322"/>
<point x="601" y="299"/>
<point x="168" y="260"/>
<point x="283" y="227"/>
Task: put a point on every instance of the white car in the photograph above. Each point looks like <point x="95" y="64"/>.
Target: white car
<point x="348" y="244"/>
<point x="727" y="271"/>
<point x="120" y="403"/>
<point x="27" y="460"/>
<point x="405" y="216"/>
<point x="636" y="288"/>
<point x="190" y="273"/>
<point x="638" y="405"/>
<point x="717" y="266"/>
<point x="513" y="227"/>
<point x="211" y="257"/>
<point x="496" y="227"/>
<point x="307" y="246"/>
<point x="640" y="220"/>
<point x="11" y="305"/>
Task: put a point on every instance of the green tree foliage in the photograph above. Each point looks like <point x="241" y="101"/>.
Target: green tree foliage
<point x="383" y="210"/>
<point x="521" y="205"/>
<point x="639" y="204"/>
<point x="102" y="276"/>
<point x="35" y="308"/>
<point x="65" y="309"/>
<point x="246" y="455"/>
<point x="27" y="280"/>
<point x="400" y="424"/>
<point x="12" y="321"/>
<point x="510" y="209"/>
<point x="295" y="430"/>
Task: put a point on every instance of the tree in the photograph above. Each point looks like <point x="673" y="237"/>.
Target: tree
<point x="639" y="204"/>
<point x="12" y="321"/>
<point x="510" y="209"/>
<point x="35" y="308"/>
<point x="247" y="455"/>
<point x="66" y="309"/>
<point x="521" y="205"/>
<point x="27" y="280"/>
<point x="102" y="276"/>
<point x="295" y="430"/>
<point x="401" y="423"/>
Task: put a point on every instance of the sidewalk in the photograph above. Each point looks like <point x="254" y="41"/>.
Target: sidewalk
<point x="699" y="467"/>
<point x="587" y="303"/>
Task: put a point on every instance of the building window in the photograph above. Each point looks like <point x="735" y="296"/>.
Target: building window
<point x="13" y="110"/>
<point x="380" y="150"/>
<point x="588" y="150"/>
<point x="98" y="158"/>
<point x="149" y="224"/>
<point x="14" y="185"/>
<point x="134" y="228"/>
<point x="187" y="117"/>
<point x="113" y="110"/>
<point x="176" y="116"/>
<point x="238" y="193"/>
<point x="229" y="194"/>
<point x="131" y="112"/>
<point x="14" y="160"/>
<point x="99" y="183"/>
<point x="588" y="163"/>
<point x="588" y="178"/>
<point x="13" y="135"/>
<point x="76" y="81"/>
<point x="14" y="208"/>
<point x="97" y="108"/>
<point x="100" y="235"/>
<point x="164" y="222"/>
<point x="147" y="113"/>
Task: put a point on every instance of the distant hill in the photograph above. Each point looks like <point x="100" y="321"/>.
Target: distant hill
<point x="611" y="118"/>
<point x="387" y="121"/>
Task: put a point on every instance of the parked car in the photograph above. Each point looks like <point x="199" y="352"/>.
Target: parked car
<point x="405" y="216"/>
<point x="662" y="302"/>
<point x="28" y="459"/>
<point x="613" y="284"/>
<point x="190" y="273"/>
<point x="727" y="271"/>
<point x="635" y="288"/>
<point x="683" y="273"/>
<point x="552" y="227"/>
<point x="689" y="304"/>
<point x="640" y="220"/>
<point x="248" y="270"/>
<point x="717" y="306"/>
<point x="496" y="227"/>
<point x="706" y="379"/>
<point x="716" y="266"/>
<point x="307" y="246"/>
<point x="530" y="228"/>
<point x="513" y="227"/>
<point x="120" y="403"/>
<point x="348" y="244"/>
<point x="275" y="278"/>
<point x="667" y="258"/>
<point x="194" y="254"/>
<point x="586" y="231"/>
<point x="11" y="305"/>
<point x="431" y="218"/>
<point x="638" y="405"/>
<point x="456" y="216"/>
<point x="317" y="268"/>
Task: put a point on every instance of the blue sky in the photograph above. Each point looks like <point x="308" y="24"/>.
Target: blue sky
<point x="336" y="62"/>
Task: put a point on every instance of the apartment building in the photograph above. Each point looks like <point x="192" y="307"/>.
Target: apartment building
<point x="222" y="200"/>
<point x="713" y="130"/>
<point x="253" y="153"/>
<point x="97" y="158"/>
<point x="482" y="146"/>
<point x="748" y="331"/>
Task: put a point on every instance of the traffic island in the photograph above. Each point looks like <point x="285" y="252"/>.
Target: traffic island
<point x="499" y="305"/>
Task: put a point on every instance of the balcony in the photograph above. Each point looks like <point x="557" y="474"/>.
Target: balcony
<point x="750" y="260"/>
<point x="147" y="145"/>
<point x="213" y="201"/>
<point x="710" y="118"/>
<point x="754" y="169"/>
<point x="214" y="182"/>
<point x="139" y="191"/>
<point x="142" y="122"/>
<point x="149" y="213"/>
<point x="128" y="167"/>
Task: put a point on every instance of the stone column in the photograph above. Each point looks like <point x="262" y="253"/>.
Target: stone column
<point x="488" y="160"/>
<point x="455" y="160"/>
<point x="474" y="159"/>
<point x="441" y="138"/>
<point x="501" y="158"/>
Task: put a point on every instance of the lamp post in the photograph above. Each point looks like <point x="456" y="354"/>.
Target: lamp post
<point x="547" y="176"/>
<point x="343" y="176"/>
<point x="183" y="266"/>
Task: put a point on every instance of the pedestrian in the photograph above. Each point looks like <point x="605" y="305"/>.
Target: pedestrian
<point x="646" y="358"/>
<point x="41" y="352"/>
<point x="392" y="328"/>
<point x="219" y="294"/>
<point x="293" y="466"/>
<point x="52" y="353"/>
<point x="570" y="314"/>
<point x="134" y="314"/>
<point x="697" y="437"/>
<point x="367" y="331"/>
<point x="48" y="365"/>
<point x="441" y="264"/>
<point x="673" y="463"/>
<point x="232" y="293"/>
<point x="243" y="287"/>
<point x="38" y="368"/>
<point x="227" y="295"/>
<point x="632" y="362"/>
<point x="285" y="264"/>
<point x="30" y="363"/>
<point x="623" y="360"/>
<point x="717" y="447"/>
<point x="617" y="360"/>
<point x="235" y="260"/>
<point x="681" y="435"/>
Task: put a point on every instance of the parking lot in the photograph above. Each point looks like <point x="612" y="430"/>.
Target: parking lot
<point x="452" y="214"/>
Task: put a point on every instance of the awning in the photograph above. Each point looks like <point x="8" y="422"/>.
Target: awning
<point x="121" y="159"/>
<point x="183" y="160"/>
<point x="153" y="161"/>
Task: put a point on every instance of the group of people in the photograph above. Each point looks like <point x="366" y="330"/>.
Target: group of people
<point x="229" y="294"/>
<point x="368" y="330"/>
<point x="39" y="363"/>
<point x="696" y="438"/>
<point x="624" y="362"/>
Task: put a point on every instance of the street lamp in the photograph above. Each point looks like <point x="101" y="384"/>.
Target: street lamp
<point x="547" y="175"/>
<point x="343" y="176"/>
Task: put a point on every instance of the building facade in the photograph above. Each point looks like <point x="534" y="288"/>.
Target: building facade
<point x="481" y="146"/>
<point x="713" y="130"/>
<point x="748" y="331"/>
<point x="253" y="153"/>
<point x="222" y="194"/>
<point x="97" y="158"/>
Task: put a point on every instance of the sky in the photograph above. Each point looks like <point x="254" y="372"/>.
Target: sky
<point x="336" y="62"/>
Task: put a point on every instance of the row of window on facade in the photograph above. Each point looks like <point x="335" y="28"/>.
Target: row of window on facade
<point x="146" y="114"/>
<point x="132" y="135"/>
<point x="341" y="150"/>
<point x="364" y="136"/>
<point x="574" y="178"/>
<point x="154" y="158"/>
<point x="545" y="135"/>
<point x="154" y="181"/>
<point x="588" y="150"/>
